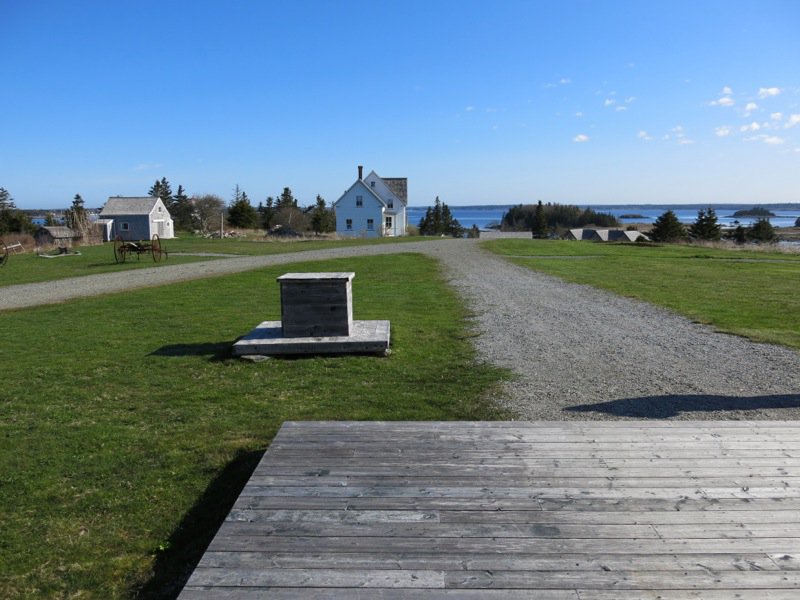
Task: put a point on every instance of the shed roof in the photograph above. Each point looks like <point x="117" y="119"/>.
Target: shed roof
<point x="59" y="232"/>
<point x="128" y="205"/>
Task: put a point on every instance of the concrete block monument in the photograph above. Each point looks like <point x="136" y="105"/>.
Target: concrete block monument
<point x="316" y="318"/>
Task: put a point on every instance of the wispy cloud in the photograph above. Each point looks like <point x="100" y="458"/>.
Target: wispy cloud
<point x="609" y="102"/>
<point x="579" y="114"/>
<point x="723" y="101"/>
<point x="768" y="92"/>
<point x="643" y="135"/>
<point x="581" y="138"/>
<point x="773" y="140"/>
<point x="776" y="116"/>
<point x="723" y="131"/>
<point x="751" y="127"/>
<point x="469" y="108"/>
<point x="620" y="108"/>
<point x="564" y="81"/>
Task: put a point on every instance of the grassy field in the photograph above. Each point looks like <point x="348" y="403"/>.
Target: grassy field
<point x="748" y="293"/>
<point x="127" y="431"/>
<point x="30" y="268"/>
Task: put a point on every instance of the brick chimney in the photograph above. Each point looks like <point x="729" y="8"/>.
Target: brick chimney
<point x="360" y="172"/>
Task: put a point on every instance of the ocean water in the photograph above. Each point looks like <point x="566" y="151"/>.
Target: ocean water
<point x="486" y="216"/>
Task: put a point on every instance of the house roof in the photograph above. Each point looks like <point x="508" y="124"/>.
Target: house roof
<point x="398" y="186"/>
<point x="128" y="205"/>
<point x="366" y="187"/>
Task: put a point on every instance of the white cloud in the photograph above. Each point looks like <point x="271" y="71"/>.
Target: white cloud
<point x="630" y="99"/>
<point x="767" y="92"/>
<point x="579" y="114"/>
<point x="794" y="119"/>
<point x="609" y="102"/>
<point x="723" y="131"/>
<point x="776" y="116"/>
<point x="724" y="101"/>
<point x="685" y="141"/>
<point x="469" y="108"/>
<point x="620" y="108"/>
<point x="564" y="81"/>
<point x="643" y="135"/>
<point x="580" y="138"/>
<point x="750" y="107"/>
<point x="726" y="91"/>
<point x="773" y="140"/>
<point x="752" y="127"/>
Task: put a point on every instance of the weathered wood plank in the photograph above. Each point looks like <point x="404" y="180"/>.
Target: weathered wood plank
<point x="576" y="510"/>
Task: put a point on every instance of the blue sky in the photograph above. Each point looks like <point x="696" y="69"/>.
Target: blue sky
<point x="476" y="102"/>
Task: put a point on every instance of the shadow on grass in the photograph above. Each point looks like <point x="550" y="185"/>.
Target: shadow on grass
<point x="189" y="541"/>
<point x="665" y="407"/>
<point x="216" y="350"/>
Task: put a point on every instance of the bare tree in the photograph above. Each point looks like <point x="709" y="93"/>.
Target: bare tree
<point x="207" y="210"/>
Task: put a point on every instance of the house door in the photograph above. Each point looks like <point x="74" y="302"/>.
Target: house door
<point x="387" y="227"/>
<point x="160" y="229"/>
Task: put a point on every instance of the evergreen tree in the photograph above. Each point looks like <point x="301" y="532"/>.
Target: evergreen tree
<point x="182" y="211"/>
<point x="6" y="201"/>
<point x="739" y="235"/>
<point x="705" y="226"/>
<point x="539" y="227"/>
<point x="667" y="228"/>
<point x="241" y="213"/>
<point x="161" y="189"/>
<point x="438" y="220"/>
<point x="76" y="217"/>
<point x="322" y="218"/>
<point x="11" y="219"/>
<point x="762" y="231"/>
<point x="286" y="200"/>
<point x="268" y="213"/>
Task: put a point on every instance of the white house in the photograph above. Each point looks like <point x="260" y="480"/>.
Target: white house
<point x="135" y="218"/>
<point x="373" y="207"/>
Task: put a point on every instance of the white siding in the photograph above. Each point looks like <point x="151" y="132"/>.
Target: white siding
<point x="371" y="208"/>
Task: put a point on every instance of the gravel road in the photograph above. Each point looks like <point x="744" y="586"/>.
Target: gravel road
<point x="577" y="352"/>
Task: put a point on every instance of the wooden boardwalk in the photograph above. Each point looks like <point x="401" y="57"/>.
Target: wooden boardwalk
<point x="549" y="510"/>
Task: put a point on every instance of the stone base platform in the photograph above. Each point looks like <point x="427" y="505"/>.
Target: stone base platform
<point x="367" y="337"/>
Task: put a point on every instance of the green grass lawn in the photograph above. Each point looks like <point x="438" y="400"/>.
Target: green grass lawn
<point x="29" y="268"/>
<point x="748" y="293"/>
<point x="127" y="431"/>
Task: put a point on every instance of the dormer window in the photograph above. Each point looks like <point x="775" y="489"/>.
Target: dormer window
<point x="390" y="203"/>
<point x="359" y="201"/>
<point x="372" y="184"/>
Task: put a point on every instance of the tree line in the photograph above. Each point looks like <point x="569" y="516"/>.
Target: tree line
<point x="280" y="213"/>
<point x="543" y="219"/>
<point x="667" y="228"/>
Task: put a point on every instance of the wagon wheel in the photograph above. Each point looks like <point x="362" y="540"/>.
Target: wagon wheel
<point x="3" y="254"/>
<point x="156" y="249"/>
<point x="120" y="250"/>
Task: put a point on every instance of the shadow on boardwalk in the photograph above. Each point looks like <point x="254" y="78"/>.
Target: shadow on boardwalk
<point x="665" y="407"/>
<point x="190" y="539"/>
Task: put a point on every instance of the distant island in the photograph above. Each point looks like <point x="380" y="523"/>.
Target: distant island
<point x="756" y="211"/>
<point x="632" y="216"/>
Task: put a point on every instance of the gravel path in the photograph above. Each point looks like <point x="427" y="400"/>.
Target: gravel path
<point x="578" y="352"/>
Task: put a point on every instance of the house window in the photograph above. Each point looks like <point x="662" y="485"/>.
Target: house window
<point x="372" y="184"/>
<point x="348" y="224"/>
<point x="370" y="224"/>
<point x="359" y="201"/>
<point x="125" y="226"/>
<point x="388" y="223"/>
<point x="390" y="204"/>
